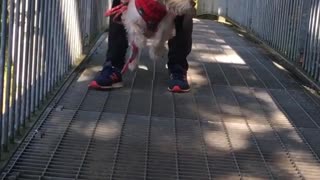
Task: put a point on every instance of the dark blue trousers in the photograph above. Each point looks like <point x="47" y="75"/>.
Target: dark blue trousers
<point x="179" y="46"/>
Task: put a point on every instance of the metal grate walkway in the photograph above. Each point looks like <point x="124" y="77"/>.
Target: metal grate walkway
<point x="246" y="118"/>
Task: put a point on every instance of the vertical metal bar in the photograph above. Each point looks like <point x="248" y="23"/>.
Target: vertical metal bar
<point x="78" y="26"/>
<point x="39" y="52"/>
<point x="74" y="24"/>
<point x="290" y="31"/>
<point x="308" y="38"/>
<point x="6" y="118"/>
<point x="271" y="16"/>
<point x="43" y="66"/>
<point x="284" y="26"/>
<point x="259" y="9"/>
<point x="297" y="28"/>
<point x="25" y="61"/>
<point x="69" y="44"/>
<point x="313" y="49"/>
<point x="265" y="20"/>
<point x="51" y="48"/>
<point x="73" y="37"/>
<point x="65" y="36"/>
<point x="34" y="56"/>
<point x="13" y="112"/>
<point x="55" y="46"/>
<point x="317" y="44"/>
<point x="257" y="25"/>
<point x="280" y="22"/>
<point x="273" y="22"/>
<point x="67" y="33"/>
<point x="262" y="19"/>
<point x="88" y="22"/>
<point x="47" y="49"/>
<point x="2" y="62"/>
<point x="255" y="16"/>
<point x="60" y="42"/>
<point x="11" y="59"/>
<point x="277" y="25"/>
<point x="30" y="50"/>
<point x="64" y="39"/>
<point x="295" y="37"/>
<point x="20" y="63"/>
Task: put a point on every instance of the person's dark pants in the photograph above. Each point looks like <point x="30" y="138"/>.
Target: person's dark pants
<point x="179" y="46"/>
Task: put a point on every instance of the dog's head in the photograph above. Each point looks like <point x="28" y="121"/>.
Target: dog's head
<point x="180" y="7"/>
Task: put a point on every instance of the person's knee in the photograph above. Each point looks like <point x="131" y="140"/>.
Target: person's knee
<point x="184" y="24"/>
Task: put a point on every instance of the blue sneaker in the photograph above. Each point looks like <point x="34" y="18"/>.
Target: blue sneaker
<point x="178" y="83"/>
<point x="109" y="78"/>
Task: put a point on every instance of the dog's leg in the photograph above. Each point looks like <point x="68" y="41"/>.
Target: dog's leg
<point x="136" y="52"/>
<point x="134" y="26"/>
<point x="164" y="33"/>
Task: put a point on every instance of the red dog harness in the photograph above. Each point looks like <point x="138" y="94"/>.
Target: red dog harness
<point x="151" y="11"/>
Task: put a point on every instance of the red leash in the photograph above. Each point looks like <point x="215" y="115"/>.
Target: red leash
<point x="150" y="10"/>
<point x="134" y="54"/>
<point x="117" y="10"/>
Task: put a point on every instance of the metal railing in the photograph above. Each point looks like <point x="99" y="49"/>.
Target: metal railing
<point x="290" y="27"/>
<point x="41" y="41"/>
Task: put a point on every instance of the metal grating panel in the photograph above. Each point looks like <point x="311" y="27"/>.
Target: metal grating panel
<point x="222" y="129"/>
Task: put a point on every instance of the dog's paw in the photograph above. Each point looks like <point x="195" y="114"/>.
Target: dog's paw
<point x="133" y="65"/>
<point x="152" y="55"/>
<point x="157" y="53"/>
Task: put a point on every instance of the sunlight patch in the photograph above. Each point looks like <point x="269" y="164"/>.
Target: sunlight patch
<point x="143" y="67"/>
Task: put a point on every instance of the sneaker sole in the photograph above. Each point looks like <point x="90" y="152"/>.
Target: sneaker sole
<point x="177" y="89"/>
<point x="94" y="85"/>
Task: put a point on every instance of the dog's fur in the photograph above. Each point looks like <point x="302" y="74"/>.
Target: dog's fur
<point x="137" y="31"/>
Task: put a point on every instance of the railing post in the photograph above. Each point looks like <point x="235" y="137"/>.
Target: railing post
<point x="304" y="26"/>
<point x="87" y="33"/>
<point x="227" y="8"/>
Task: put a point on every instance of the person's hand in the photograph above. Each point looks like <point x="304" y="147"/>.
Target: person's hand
<point x="194" y="10"/>
<point x="193" y="3"/>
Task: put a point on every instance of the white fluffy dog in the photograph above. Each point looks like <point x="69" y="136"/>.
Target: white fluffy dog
<point x="140" y="26"/>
